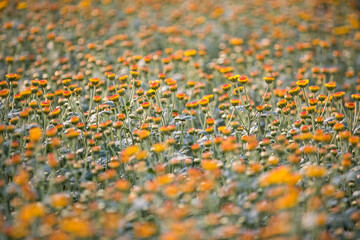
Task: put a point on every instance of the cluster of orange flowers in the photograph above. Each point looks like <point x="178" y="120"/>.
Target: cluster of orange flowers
<point x="177" y="119"/>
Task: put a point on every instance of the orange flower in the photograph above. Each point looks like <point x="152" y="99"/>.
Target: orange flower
<point x="94" y="81"/>
<point x="302" y="83"/>
<point x="97" y="99"/>
<point x="115" y="97"/>
<point x="314" y="89"/>
<point x="31" y="211"/>
<point x="210" y="121"/>
<point x="227" y="145"/>
<point x="260" y="108"/>
<point x="339" y="95"/>
<point x="210" y="164"/>
<point x="235" y="102"/>
<point x="330" y="86"/>
<point x="350" y="105"/>
<point x="141" y="155"/>
<point x="279" y="175"/>
<point x="243" y="79"/>
<point x="268" y="80"/>
<point x="143" y="134"/>
<point x="4" y="93"/>
<point x="164" y="179"/>
<point x="338" y="127"/>
<point x="289" y="200"/>
<point x="144" y="230"/>
<point x="59" y="200"/>
<point x="145" y="105"/>
<point x="12" y="76"/>
<point x="355" y="97"/>
<point x="77" y="227"/>
<point x="181" y="96"/>
<point x="294" y="91"/>
<point x="315" y="171"/>
<point x="238" y="167"/>
<point x="204" y="102"/>
<point x="171" y="191"/>
<point x="52" y="160"/>
<point x="35" y="134"/>
<point x="122" y="185"/>
<point x="236" y="41"/>
<point x="206" y="185"/>
<point x="282" y="103"/>
<point x="129" y="152"/>
<point x="159" y="147"/>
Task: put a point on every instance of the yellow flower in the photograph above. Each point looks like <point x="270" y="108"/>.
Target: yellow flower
<point x="209" y="164"/>
<point x="35" y="134"/>
<point x="143" y="134"/>
<point x="142" y="155"/>
<point x="190" y="52"/>
<point x="204" y="101"/>
<point x="128" y="152"/>
<point x="159" y="147"/>
<point x="131" y="150"/>
<point x="315" y="171"/>
<point x="330" y="86"/>
<point x="314" y="89"/>
<point x="3" y="4"/>
<point x="243" y="79"/>
<point x="268" y="80"/>
<point x="342" y="30"/>
<point x="280" y="175"/>
<point x="4" y="93"/>
<point x="302" y="83"/>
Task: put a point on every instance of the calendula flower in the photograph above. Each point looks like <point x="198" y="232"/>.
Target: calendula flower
<point x="4" y="93"/>
<point x="243" y="79"/>
<point x="314" y="89"/>
<point x="268" y="80"/>
<point x="144" y="229"/>
<point x="204" y="102"/>
<point x="234" y="102"/>
<point x="289" y="200"/>
<point x="330" y="86"/>
<point x="145" y="105"/>
<point x="315" y="171"/>
<point x="209" y="165"/>
<point x="350" y="105"/>
<point x="59" y="200"/>
<point x="159" y="147"/>
<point x="77" y="227"/>
<point x="236" y="41"/>
<point x="35" y="134"/>
<point x="302" y="83"/>
<point x="12" y="76"/>
<point x="190" y="53"/>
<point x="30" y="212"/>
<point x="355" y="97"/>
<point x="94" y="81"/>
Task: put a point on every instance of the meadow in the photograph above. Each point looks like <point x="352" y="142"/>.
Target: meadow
<point x="179" y="119"/>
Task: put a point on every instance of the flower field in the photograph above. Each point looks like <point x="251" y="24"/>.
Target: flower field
<point x="179" y="119"/>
